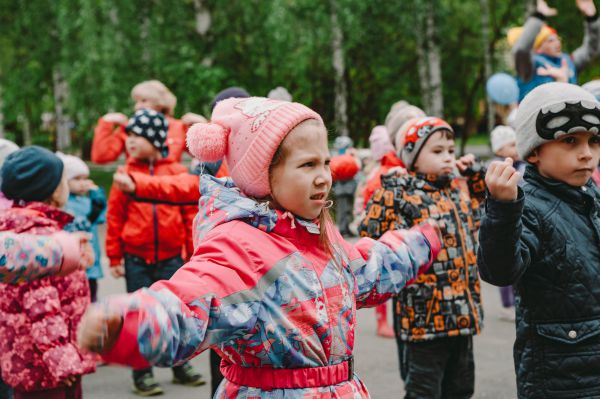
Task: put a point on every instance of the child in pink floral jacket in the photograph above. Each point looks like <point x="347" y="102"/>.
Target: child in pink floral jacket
<point x="40" y="309"/>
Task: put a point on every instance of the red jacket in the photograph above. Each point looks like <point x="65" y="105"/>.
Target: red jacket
<point x="109" y="140"/>
<point x="389" y="161"/>
<point x="39" y="316"/>
<point x="151" y="231"/>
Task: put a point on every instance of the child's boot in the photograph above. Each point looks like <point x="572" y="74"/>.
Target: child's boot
<point x="187" y="375"/>
<point x="383" y="328"/>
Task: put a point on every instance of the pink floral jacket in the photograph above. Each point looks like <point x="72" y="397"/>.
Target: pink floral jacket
<point x="39" y="316"/>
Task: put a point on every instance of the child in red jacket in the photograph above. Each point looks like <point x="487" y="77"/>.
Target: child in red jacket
<point x="110" y="135"/>
<point x="145" y="241"/>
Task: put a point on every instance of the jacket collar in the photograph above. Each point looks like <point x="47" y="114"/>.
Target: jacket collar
<point x="221" y="201"/>
<point x="580" y="197"/>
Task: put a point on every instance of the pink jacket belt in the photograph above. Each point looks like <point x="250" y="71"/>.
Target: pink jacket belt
<point x="267" y="378"/>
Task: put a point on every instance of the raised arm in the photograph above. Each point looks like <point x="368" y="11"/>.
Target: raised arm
<point x="588" y="50"/>
<point x="109" y="138"/>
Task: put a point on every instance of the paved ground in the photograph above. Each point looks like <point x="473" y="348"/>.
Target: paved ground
<point x="376" y="360"/>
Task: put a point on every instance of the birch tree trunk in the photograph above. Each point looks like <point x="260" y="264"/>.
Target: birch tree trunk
<point x="26" y="125"/>
<point x="337" y="42"/>
<point x="428" y="52"/>
<point x="63" y="131"/>
<point x="203" y="19"/>
<point x="487" y="59"/>
<point x="1" y="114"/>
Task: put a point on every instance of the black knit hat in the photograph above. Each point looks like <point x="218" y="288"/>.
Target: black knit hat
<point x="230" y="92"/>
<point x="31" y="174"/>
<point x="152" y="126"/>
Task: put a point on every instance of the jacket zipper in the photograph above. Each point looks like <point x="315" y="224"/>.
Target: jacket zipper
<point x="154" y="220"/>
<point x="462" y="244"/>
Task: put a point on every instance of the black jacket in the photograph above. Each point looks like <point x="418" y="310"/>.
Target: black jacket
<point x="547" y="243"/>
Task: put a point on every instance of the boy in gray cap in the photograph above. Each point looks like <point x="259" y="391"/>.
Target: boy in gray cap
<point x="544" y="239"/>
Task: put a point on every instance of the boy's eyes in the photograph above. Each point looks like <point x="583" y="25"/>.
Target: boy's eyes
<point x="568" y="140"/>
<point x="595" y="140"/>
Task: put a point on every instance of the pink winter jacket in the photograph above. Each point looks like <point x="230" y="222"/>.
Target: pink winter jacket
<point x="39" y="316"/>
<point x="259" y="289"/>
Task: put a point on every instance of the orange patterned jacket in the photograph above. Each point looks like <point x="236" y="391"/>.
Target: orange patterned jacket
<point x="446" y="301"/>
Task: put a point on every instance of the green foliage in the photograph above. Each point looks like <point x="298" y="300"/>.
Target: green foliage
<point x="103" y="48"/>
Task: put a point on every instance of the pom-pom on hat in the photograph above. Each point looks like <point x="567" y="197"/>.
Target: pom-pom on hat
<point x="417" y="134"/>
<point x="247" y="132"/>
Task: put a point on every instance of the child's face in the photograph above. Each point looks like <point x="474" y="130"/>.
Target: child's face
<point x="509" y="151"/>
<point x="140" y="148"/>
<point x="571" y="158"/>
<point x="61" y="194"/>
<point x="80" y="185"/>
<point x="142" y="102"/>
<point x="301" y="181"/>
<point x="437" y="155"/>
<point x="551" y="46"/>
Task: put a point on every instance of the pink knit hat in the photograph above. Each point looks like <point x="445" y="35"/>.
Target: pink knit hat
<point x="247" y="132"/>
<point x="380" y="142"/>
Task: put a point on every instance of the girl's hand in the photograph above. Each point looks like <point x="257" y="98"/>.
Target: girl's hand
<point x="465" y="162"/>
<point x="544" y="9"/>
<point x="88" y="256"/>
<point x="502" y="180"/>
<point x="116" y="117"/>
<point x="559" y="74"/>
<point x="99" y="329"/>
<point x="190" y="118"/>
<point x="587" y="7"/>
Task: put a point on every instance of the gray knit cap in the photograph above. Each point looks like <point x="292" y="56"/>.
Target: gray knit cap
<point x="553" y="110"/>
<point x="399" y="114"/>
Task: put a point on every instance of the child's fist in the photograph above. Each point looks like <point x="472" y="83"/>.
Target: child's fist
<point x="502" y="180"/>
<point x="124" y="182"/>
<point x="99" y="329"/>
<point x="116" y="117"/>
<point x="117" y="271"/>
<point x="465" y="162"/>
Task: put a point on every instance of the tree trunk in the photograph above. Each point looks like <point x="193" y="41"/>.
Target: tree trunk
<point x="428" y="52"/>
<point x="487" y="58"/>
<point x="63" y="131"/>
<point x="26" y="126"/>
<point x="337" y="42"/>
<point x="1" y="114"/>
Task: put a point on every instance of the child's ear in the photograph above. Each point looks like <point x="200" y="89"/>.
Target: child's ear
<point x="534" y="157"/>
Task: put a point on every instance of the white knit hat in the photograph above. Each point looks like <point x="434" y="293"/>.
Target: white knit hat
<point x="7" y="147"/>
<point x="74" y="166"/>
<point x="552" y="110"/>
<point x="501" y="136"/>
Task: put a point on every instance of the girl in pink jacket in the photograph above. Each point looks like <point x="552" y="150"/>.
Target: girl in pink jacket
<point x="272" y="285"/>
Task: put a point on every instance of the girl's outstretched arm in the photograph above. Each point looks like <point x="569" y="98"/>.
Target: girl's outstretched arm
<point x="212" y="299"/>
<point x="384" y="267"/>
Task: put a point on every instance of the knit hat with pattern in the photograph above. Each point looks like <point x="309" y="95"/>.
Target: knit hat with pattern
<point x="247" y="132"/>
<point x="152" y="126"/>
<point x="552" y="110"/>
<point x="417" y="134"/>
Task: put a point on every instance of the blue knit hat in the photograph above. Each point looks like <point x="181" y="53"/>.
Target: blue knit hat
<point x="31" y="174"/>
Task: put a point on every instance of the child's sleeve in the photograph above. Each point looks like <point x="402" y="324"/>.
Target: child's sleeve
<point x="188" y="213"/>
<point x="383" y="268"/>
<point x="383" y="213"/>
<point x="212" y="299"/>
<point x="508" y="241"/>
<point x="108" y="143"/>
<point x="98" y="199"/>
<point x="115" y="221"/>
<point x="523" y="48"/>
<point x="180" y="189"/>
<point x="28" y="257"/>
<point x="590" y="46"/>
<point x="475" y="176"/>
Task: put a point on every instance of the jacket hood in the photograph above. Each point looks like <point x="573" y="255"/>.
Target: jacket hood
<point x="221" y="202"/>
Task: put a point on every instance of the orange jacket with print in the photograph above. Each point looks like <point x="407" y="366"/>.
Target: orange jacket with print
<point x="146" y="229"/>
<point x="445" y="301"/>
<point x="109" y="140"/>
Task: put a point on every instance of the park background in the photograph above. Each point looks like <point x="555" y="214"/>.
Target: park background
<point x="65" y="63"/>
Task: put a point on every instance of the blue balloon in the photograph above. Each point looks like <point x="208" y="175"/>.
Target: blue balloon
<point x="502" y="88"/>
